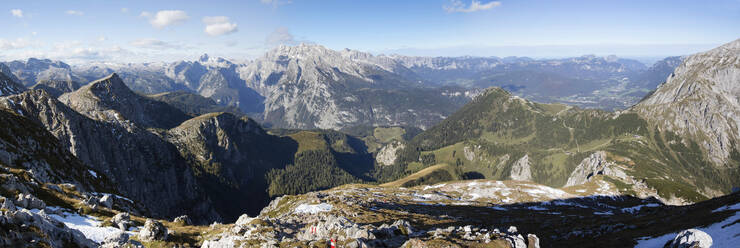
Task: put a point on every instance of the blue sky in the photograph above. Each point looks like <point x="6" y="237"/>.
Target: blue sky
<point x="136" y="31"/>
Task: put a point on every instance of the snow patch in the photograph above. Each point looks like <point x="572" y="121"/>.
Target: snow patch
<point x="88" y="225"/>
<point x="724" y="234"/>
<point x="313" y="208"/>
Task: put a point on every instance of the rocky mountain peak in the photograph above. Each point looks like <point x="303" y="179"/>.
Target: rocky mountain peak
<point x="109" y="99"/>
<point x="203" y="58"/>
<point x="111" y="85"/>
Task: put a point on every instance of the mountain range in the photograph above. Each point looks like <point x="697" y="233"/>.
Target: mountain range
<point x="310" y="86"/>
<point x="123" y="148"/>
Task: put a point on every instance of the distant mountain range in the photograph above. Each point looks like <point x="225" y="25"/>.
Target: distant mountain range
<point x="310" y="86"/>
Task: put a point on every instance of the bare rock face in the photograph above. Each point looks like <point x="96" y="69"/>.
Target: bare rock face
<point x="140" y="164"/>
<point x="701" y="99"/>
<point x="8" y="83"/>
<point x="521" y="169"/>
<point x="153" y="230"/>
<point x="691" y="238"/>
<point x="388" y="154"/>
<point x="595" y="164"/>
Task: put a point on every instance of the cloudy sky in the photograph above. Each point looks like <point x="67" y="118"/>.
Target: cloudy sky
<point x="138" y="31"/>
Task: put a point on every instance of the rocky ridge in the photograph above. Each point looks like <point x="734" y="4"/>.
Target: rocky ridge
<point x="109" y="99"/>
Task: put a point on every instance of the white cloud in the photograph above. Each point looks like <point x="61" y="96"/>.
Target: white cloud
<point x="17" y="13"/>
<point x="74" y="12"/>
<point x="153" y="44"/>
<point x="101" y="38"/>
<point x="19" y="43"/>
<point x="459" y="6"/>
<point x="164" y="18"/>
<point x="219" y="25"/>
<point x="281" y="36"/>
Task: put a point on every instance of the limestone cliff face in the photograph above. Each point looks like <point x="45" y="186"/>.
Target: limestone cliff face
<point x="702" y="100"/>
<point x="595" y="164"/>
<point x="141" y="165"/>
<point x="389" y="153"/>
<point x="521" y="169"/>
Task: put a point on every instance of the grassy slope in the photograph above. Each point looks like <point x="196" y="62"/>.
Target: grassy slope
<point x="500" y="129"/>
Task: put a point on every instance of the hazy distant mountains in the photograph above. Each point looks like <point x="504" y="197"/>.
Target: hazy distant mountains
<point x="310" y="86"/>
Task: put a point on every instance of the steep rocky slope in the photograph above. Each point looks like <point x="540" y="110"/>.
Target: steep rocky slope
<point x="231" y="156"/>
<point x="55" y="87"/>
<point x="700" y="100"/>
<point x="140" y="164"/>
<point x="109" y="99"/>
<point x="8" y="85"/>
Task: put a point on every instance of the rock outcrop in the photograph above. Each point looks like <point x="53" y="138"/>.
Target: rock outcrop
<point x="152" y="231"/>
<point x="122" y="221"/>
<point x="29" y="201"/>
<point x="691" y="238"/>
<point x="23" y="228"/>
<point x="388" y="154"/>
<point x="521" y="170"/>
<point x="595" y="164"/>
